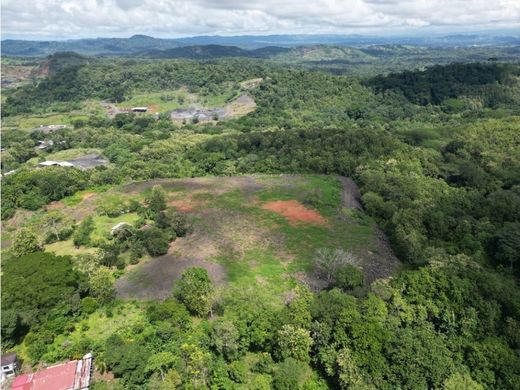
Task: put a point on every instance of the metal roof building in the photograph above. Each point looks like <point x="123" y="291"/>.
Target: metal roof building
<point x="73" y="375"/>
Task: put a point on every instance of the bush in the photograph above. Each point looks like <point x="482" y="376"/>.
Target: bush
<point x="237" y="371"/>
<point x="88" y="305"/>
<point x="156" y="241"/>
<point x="169" y="219"/>
<point x="289" y="375"/>
<point x="348" y="277"/>
<point x="25" y="242"/>
<point x="109" y="254"/>
<point x="264" y="364"/>
<point x="82" y="234"/>
<point x="194" y="289"/>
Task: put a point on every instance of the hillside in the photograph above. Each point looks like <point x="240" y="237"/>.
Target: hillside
<point x="331" y="232"/>
<point x="139" y="43"/>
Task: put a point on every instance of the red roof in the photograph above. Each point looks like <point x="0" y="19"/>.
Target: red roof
<point x="73" y="375"/>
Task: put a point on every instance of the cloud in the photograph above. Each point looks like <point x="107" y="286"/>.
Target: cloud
<point x="171" y="18"/>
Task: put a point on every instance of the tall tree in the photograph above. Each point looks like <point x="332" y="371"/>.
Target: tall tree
<point x="195" y="289"/>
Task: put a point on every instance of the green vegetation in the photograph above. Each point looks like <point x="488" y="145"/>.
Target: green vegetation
<point x="266" y="272"/>
<point x="37" y="290"/>
<point x="194" y="290"/>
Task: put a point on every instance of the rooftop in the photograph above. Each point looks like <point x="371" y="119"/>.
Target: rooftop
<point x="8" y="358"/>
<point x="73" y="375"/>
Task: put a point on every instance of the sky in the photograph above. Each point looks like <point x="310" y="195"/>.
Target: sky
<point x="68" y="19"/>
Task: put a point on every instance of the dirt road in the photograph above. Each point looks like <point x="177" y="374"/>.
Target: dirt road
<point x="381" y="263"/>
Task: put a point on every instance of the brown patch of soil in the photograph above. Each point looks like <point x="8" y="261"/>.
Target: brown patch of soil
<point x="241" y="106"/>
<point x="56" y="205"/>
<point x="88" y="195"/>
<point x="381" y="263"/>
<point x="181" y="205"/>
<point x="295" y="212"/>
<point x="350" y="194"/>
<point x="153" y="108"/>
<point x="106" y="376"/>
<point x="155" y="278"/>
<point x="187" y="203"/>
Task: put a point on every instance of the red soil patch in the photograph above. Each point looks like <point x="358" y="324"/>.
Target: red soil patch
<point x="294" y="211"/>
<point x="181" y="205"/>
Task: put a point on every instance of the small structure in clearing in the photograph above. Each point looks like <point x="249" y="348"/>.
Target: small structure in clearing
<point x="50" y="163"/>
<point x="73" y="375"/>
<point x="202" y="115"/>
<point x="139" y="109"/>
<point x="88" y="161"/>
<point x="9" y="365"/>
<point x="44" y="144"/>
<point x="50" y="128"/>
<point x="119" y="227"/>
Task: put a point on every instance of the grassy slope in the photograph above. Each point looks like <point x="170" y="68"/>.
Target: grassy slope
<point x="268" y="252"/>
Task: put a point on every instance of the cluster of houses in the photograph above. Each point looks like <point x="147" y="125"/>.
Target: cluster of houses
<point x="202" y="115"/>
<point x="71" y="375"/>
<point x="113" y="110"/>
<point x="88" y="161"/>
<point x="50" y="128"/>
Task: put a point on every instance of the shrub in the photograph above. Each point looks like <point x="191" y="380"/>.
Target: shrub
<point x="348" y="277"/>
<point x="237" y="371"/>
<point x="82" y="234"/>
<point x="25" y="242"/>
<point x="88" y="305"/>
<point x="156" y="241"/>
<point x="194" y="289"/>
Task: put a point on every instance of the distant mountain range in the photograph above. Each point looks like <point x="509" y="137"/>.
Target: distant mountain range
<point x="204" y="46"/>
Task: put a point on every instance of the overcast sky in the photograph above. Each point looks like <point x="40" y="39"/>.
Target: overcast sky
<point x="64" y="19"/>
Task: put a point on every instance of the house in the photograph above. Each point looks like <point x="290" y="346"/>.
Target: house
<point x="118" y="227"/>
<point x="88" y="161"/>
<point x="72" y="375"/>
<point x="50" y="163"/>
<point x="50" y="128"/>
<point x="10" y="172"/>
<point x="9" y="364"/>
<point x="139" y="109"/>
<point x="42" y="145"/>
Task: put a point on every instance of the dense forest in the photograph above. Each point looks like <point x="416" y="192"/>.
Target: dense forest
<point x="435" y="152"/>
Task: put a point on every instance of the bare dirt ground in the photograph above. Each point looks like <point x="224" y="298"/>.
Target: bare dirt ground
<point x="252" y="83"/>
<point x="209" y="184"/>
<point x="295" y="212"/>
<point x="15" y="75"/>
<point x="381" y="263"/>
<point x="154" y="279"/>
<point x="112" y="110"/>
<point x="350" y="194"/>
<point x="217" y="233"/>
<point x="241" y="106"/>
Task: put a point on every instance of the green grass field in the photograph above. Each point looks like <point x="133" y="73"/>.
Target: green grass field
<point x="104" y="224"/>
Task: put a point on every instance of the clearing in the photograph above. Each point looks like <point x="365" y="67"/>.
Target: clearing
<point x="259" y="230"/>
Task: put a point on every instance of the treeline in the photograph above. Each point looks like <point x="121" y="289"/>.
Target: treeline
<point x="440" y="82"/>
